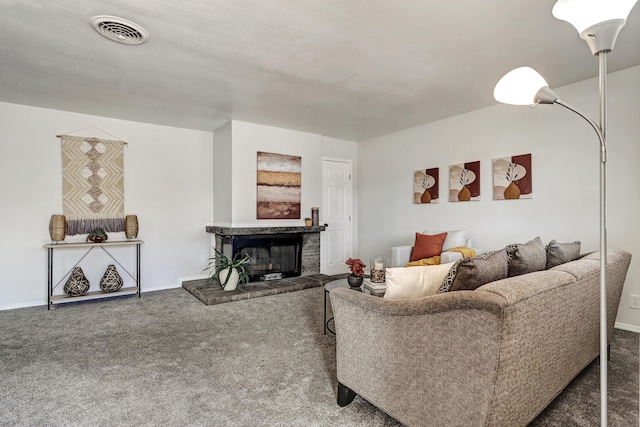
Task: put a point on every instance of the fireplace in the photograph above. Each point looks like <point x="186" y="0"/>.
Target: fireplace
<point x="273" y="256"/>
<point x="276" y="251"/>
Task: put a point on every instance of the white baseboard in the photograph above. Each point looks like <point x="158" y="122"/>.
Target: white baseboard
<point x="627" y="327"/>
<point x="24" y="305"/>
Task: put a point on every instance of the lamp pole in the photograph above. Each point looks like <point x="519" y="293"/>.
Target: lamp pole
<point x="602" y="59"/>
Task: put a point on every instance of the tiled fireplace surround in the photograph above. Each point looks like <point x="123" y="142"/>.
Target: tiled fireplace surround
<point x="212" y="293"/>
<point x="310" y="241"/>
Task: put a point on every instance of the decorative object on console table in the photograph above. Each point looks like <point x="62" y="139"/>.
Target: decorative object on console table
<point x="111" y="281"/>
<point x="378" y="266"/>
<point x="97" y="236"/>
<point x="229" y="272"/>
<point x="131" y="226"/>
<point x="77" y="284"/>
<point x="57" y="228"/>
<point x="357" y="273"/>
<point x="315" y="217"/>
<point x="308" y="222"/>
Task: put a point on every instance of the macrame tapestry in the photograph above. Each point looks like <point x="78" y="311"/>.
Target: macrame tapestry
<point x="92" y="184"/>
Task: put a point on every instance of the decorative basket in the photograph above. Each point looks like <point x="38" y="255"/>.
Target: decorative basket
<point x="77" y="284"/>
<point x="111" y="281"/>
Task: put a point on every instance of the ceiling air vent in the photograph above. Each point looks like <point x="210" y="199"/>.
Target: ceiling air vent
<point x="119" y="30"/>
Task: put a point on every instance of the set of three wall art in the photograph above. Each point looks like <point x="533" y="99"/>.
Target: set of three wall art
<point x="512" y="179"/>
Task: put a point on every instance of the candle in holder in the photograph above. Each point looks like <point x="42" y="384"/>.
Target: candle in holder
<point x="377" y="270"/>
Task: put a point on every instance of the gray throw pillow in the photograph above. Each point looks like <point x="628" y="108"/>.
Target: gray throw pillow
<point x="527" y="257"/>
<point x="471" y="273"/>
<point x="559" y="253"/>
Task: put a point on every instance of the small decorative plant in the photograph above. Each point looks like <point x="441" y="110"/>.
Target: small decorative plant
<point x="220" y="262"/>
<point x="308" y="221"/>
<point x="97" y="236"/>
<point x="356" y="266"/>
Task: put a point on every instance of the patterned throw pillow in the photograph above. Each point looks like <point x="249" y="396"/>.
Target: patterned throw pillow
<point x="527" y="257"/>
<point x="471" y="273"/>
<point x="559" y="253"/>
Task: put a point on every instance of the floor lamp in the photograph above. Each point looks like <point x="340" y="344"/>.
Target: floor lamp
<point x="599" y="23"/>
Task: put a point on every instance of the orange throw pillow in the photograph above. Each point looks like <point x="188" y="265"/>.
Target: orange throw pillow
<point x="427" y="246"/>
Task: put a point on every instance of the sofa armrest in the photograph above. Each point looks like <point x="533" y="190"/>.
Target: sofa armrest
<point x="400" y="255"/>
<point x="447" y="257"/>
<point x="411" y="357"/>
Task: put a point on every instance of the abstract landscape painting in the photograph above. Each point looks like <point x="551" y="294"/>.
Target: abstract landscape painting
<point x="464" y="182"/>
<point x="279" y="186"/>
<point x="512" y="178"/>
<point x="426" y="186"/>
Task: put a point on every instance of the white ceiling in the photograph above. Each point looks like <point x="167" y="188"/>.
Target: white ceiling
<point x="351" y="69"/>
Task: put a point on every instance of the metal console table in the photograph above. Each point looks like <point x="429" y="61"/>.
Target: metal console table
<point x="61" y="299"/>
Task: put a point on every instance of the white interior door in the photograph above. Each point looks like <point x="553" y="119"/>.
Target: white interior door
<point x="336" y="242"/>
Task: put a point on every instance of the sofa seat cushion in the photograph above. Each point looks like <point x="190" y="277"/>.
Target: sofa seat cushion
<point x="415" y="282"/>
<point x="471" y="273"/>
<point x="427" y="246"/>
<point x="526" y="257"/>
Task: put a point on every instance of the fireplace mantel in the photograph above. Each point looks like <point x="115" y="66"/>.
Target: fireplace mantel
<point x="310" y="240"/>
<point x="248" y="231"/>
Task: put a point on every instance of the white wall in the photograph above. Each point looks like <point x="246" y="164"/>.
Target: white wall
<point x="565" y="153"/>
<point x="167" y="184"/>
<point x="222" y="175"/>
<point x="248" y="139"/>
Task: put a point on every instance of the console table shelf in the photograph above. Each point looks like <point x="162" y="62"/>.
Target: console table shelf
<point x="62" y="299"/>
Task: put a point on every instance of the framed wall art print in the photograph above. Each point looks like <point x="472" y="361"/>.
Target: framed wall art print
<point x="426" y="186"/>
<point x="512" y="178"/>
<point x="464" y="182"/>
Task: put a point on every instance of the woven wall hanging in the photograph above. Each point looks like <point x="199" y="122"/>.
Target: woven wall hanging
<point x="92" y="184"/>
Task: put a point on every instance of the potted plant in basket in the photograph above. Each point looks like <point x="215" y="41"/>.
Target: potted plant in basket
<point x="229" y="272"/>
<point x="357" y="272"/>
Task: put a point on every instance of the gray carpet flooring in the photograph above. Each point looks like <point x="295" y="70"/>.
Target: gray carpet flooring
<point x="167" y="359"/>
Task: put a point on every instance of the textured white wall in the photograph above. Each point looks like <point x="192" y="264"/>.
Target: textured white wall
<point x="248" y="139"/>
<point x="167" y="184"/>
<point x="565" y="154"/>
<point x="222" y="175"/>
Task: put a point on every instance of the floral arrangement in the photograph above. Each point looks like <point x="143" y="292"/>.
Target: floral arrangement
<point x="356" y="266"/>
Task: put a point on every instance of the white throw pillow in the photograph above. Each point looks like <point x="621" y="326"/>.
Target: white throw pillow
<point x="415" y="282"/>
<point x="454" y="238"/>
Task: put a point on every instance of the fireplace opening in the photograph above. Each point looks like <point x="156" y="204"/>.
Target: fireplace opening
<point x="273" y="256"/>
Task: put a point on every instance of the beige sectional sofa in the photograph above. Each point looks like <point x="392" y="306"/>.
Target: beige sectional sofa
<point x="495" y="356"/>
